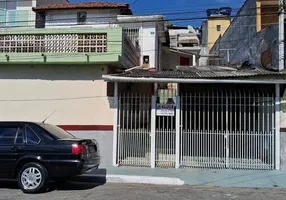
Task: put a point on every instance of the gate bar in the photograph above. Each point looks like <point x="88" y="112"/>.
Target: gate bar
<point x="115" y="125"/>
<point x="153" y="131"/>
<point x="178" y="128"/>
<point x="277" y="126"/>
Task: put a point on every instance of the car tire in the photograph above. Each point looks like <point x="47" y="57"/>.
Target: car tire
<point x="32" y="178"/>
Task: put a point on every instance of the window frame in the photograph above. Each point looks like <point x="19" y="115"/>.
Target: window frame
<point x="19" y="128"/>
<point x="26" y="136"/>
<point x="16" y="127"/>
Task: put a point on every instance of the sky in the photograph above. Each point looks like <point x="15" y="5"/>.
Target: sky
<point x="165" y="7"/>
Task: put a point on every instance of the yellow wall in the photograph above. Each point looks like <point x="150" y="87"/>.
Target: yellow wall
<point x="213" y="34"/>
<point x="266" y="13"/>
<point x="77" y="94"/>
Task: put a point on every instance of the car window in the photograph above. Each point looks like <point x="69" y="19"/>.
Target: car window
<point x="8" y="135"/>
<point x="32" y="138"/>
<point x="57" y="131"/>
<point x="41" y="132"/>
<point x="19" y="137"/>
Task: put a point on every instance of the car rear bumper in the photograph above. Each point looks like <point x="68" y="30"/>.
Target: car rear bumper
<point x="70" y="168"/>
<point x="91" y="164"/>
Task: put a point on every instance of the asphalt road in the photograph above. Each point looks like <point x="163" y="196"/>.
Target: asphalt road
<point x="88" y="191"/>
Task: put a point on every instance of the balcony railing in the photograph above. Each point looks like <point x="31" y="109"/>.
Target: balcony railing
<point x="54" y="43"/>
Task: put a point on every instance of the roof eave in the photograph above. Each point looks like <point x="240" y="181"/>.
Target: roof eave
<point x="111" y="78"/>
<point x="35" y="9"/>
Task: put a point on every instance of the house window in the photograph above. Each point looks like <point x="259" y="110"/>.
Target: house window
<point x="81" y="17"/>
<point x="40" y="20"/>
<point x="218" y="27"/>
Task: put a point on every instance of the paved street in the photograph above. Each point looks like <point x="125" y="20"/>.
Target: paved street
<point x="78" y="191"/>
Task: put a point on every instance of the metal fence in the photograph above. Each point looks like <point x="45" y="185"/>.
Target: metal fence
<point x="218" y="128"/>
<point x="228" y="129"/>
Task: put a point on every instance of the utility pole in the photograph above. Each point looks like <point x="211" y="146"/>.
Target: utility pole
<point x="281" y="34"/>
<point x="227" y="52"/>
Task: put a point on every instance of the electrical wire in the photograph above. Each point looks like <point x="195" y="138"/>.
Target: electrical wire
<point x="134" y="21"/>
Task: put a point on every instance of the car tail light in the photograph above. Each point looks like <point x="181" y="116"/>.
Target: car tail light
<point x="79" y="149"/>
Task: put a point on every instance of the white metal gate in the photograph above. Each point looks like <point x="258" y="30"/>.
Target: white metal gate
<point x="211" y="127"/>
<point x="228" y="128"/>
<point x="165" y="132"/>
<point x="133" y="140"/>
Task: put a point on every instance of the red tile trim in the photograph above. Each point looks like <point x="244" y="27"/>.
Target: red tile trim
<point x="282" y="129"/>
<point x="87" y="127"/>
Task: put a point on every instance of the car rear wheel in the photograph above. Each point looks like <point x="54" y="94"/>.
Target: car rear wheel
<point x="32" y="178"/>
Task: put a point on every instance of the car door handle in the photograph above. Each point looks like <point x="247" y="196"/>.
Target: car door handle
<point x="15" y="148"/>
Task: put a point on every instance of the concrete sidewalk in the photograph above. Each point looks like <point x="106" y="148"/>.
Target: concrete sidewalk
<point x="202" y="177"/>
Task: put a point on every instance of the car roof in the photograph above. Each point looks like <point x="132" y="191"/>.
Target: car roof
<point x="9" y="123"/>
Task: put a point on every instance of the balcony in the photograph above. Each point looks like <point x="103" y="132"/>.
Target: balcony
<point x="78" y="45"/>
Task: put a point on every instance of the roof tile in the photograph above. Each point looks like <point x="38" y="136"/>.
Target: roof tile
<point x="83" y="5"/>
<point x="198" y="73"/>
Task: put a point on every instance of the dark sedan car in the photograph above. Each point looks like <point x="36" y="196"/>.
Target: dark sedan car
<point x="35" y="153"/>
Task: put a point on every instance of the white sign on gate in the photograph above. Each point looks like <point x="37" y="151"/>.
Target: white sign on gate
<point x="165" y="110"/>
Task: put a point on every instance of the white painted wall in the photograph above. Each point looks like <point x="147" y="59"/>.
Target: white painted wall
<point x="169" y="60"/>
<point x="68" y="18"/>
<point x="77" y="94"/>
<point x="148" y="40"/>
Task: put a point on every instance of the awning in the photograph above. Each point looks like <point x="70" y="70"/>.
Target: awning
<point x="206" y="74"/>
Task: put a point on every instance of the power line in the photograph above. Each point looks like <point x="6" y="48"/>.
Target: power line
<point x="134" y="21"/>
<point x="170" y="13"/>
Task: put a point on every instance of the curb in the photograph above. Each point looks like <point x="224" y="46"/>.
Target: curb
<point x="153" y="180"/>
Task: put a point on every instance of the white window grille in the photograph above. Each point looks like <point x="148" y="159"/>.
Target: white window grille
<point x="54" y="43"/>
<point x="133" y="34"/>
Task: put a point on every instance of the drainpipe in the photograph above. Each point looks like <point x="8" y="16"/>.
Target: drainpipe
<point x="87" y="57"/>
<point x="45" y="57"/>
<point x="281" y="34"/>
<point x="7" y="57"/>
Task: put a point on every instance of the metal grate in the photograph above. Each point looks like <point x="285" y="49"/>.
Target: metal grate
<point x="133" y="35"/>
<point x="228" y="128"/>
<point x="53" y="43"/>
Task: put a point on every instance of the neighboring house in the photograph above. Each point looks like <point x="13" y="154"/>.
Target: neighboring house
<point x="15" y="13"/>
<point x="252" y="36"/>
<point x="183" y="47"/>
<point x="213" y="28"/>
<point x="56" y="67"/>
